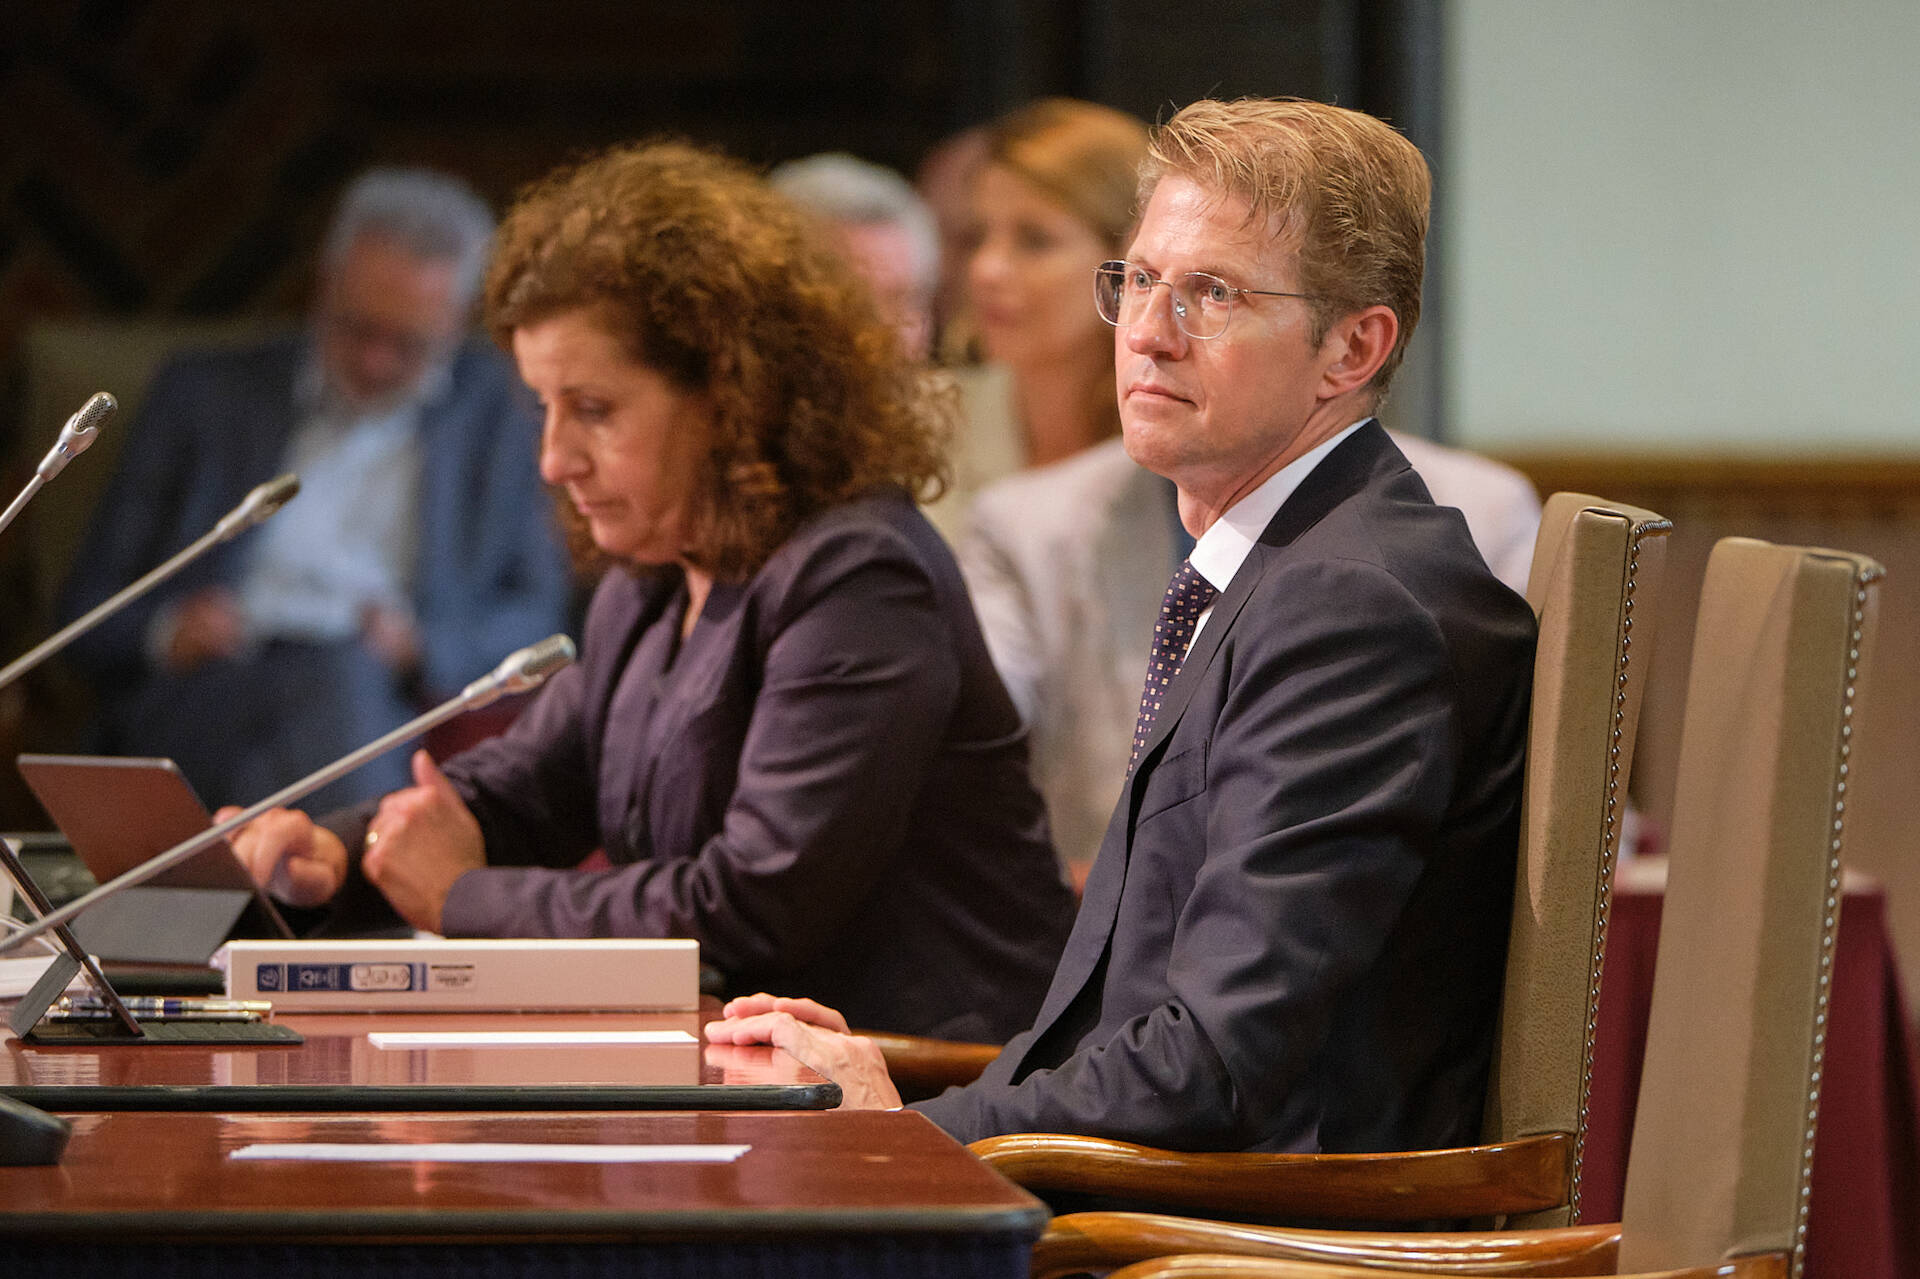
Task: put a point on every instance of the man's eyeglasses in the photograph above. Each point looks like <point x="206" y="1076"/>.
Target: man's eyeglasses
<point x="1202" y="303"/>
<point x="407" y="347"/>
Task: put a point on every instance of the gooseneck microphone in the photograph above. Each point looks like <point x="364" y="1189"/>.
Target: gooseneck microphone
<point x="521" y="671"/>
<point x="262" y="502"/>
<point x="80" y="431"/>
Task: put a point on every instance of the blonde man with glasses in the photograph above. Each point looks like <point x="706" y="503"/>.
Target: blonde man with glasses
<point x="1293" y="934"/>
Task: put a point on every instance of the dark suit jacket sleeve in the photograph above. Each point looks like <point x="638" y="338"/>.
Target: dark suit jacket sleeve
<point x="1329" y="762"/>
<point x="136" y="525"/>
<point x="538" y="796"/>
<point x="856" y="685"/>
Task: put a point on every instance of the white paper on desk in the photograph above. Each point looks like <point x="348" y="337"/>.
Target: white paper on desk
<point x="524" y="1038"/>
<point x="489" y="1152"/>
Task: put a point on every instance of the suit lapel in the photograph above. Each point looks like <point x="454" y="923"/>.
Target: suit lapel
<point x="1092" y="927"/>
<point x="447" y="442"/>
<point x="1341" y="474"/>
<point x="267" y="412"/>
<point x="272" y="428"/>
<point x="613" y="632"/>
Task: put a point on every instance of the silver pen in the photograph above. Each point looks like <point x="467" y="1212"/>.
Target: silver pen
<point x="104" y="1014"/>
<point x="167" y="1006"/>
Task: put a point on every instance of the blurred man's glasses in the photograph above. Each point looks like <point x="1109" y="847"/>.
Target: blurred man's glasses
<point x="407" y="348"/>
<point x="1202" y="303"/>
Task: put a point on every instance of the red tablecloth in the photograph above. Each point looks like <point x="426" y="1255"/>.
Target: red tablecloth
<point x="1864" y="1216"/>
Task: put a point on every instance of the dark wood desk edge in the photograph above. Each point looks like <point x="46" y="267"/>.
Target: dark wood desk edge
<point x="252" y="1098"/>
<point x="534" y="1224"/>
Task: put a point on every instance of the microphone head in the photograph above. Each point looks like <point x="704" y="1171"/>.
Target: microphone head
<point x="79" y="432"/>
<point x="530" y="666"/>
<point x="257" y="505"/>
<point x="99" y="407"/>
<point x="523" y="669"/>
<point x="269" y="497"/>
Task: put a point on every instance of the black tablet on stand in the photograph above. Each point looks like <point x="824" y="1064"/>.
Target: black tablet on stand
<point x="118" y="811"/>
<point x="118" y="1025"/>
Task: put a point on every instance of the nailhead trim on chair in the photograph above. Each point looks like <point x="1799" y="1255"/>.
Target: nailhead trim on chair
<point x="1830" y="924"/>
<point x="1609" y="848"/>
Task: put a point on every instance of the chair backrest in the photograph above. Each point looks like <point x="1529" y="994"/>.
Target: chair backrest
<point x="1723" y="1138"/>
<point x="1597" y="569"/>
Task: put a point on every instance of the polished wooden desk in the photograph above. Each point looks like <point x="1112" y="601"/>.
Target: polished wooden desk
<point x="858" y="1192"/>
<point x="339" y="1069"/>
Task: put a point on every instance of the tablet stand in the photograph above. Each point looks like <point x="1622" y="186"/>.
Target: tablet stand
<point x="121" y="1026"/>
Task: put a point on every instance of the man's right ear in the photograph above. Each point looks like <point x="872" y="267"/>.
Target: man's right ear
<point x="1357" y="346"/>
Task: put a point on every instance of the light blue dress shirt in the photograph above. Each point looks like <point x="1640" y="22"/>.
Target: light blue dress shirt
<point x="352" y="537"/>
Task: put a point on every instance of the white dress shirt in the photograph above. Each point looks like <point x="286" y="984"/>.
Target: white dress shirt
<point x="1223" y="548"/>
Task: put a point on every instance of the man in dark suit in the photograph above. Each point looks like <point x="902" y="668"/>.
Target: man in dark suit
<point x="1292" y="937"/>
<point x="419" y="552"/>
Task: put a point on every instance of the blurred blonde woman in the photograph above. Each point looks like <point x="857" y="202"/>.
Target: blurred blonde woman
<point x="1054" y="200"/>
<point x="1051" y="198"/>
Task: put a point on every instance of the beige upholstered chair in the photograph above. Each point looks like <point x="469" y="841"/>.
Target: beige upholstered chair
<point x="1723" y="1140"/>
<point x="1596" y="570"/>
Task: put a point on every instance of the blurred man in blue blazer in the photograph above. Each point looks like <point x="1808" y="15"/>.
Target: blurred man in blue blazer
<point x="419" y="551"/>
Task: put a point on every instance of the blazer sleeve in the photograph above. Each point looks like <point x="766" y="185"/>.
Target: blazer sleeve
<point x="856" y="685"/>
<point x="530" y="788"/>
<point x="1314" y="793"/>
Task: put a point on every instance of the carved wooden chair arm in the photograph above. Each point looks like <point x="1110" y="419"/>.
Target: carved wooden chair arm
<point x="1525" y="1175"/>
<point x="922" y="1066"/>
<point x="1100" y="1241"/>
<point x="1758" y="1266"/>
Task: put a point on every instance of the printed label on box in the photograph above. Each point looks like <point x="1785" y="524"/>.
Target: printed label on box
<point x="355" y="977"/>
<point x="453" y="976"/>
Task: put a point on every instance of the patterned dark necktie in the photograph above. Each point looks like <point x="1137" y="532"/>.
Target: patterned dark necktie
<point x="1188" y="595"/>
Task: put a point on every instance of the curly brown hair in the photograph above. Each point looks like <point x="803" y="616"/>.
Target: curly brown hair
<point x="717" y="283"/>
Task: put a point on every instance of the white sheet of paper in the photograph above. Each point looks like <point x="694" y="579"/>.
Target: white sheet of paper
<point x="489" y="1152"/>
<point x="524" y="1038"/>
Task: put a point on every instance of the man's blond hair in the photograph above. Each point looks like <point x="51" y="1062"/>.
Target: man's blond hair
<point x="1349" y="193"/>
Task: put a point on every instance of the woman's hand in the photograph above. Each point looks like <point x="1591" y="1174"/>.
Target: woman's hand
<point x="298" y="862"/>
<point x="420" y="842"/>
<point x="817" y="1036"/>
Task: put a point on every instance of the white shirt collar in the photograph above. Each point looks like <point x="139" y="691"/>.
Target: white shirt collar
<point x="1223" y="548"/>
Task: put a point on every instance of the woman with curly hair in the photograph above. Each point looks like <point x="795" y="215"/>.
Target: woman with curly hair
<point x="785" y="732"/>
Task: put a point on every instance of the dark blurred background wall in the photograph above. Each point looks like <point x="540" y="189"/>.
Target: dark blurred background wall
<point x="178" y="156"/>
<point x="171" y="163"/>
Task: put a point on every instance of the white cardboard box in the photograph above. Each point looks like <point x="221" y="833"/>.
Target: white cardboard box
<point x="535" y="974"/>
